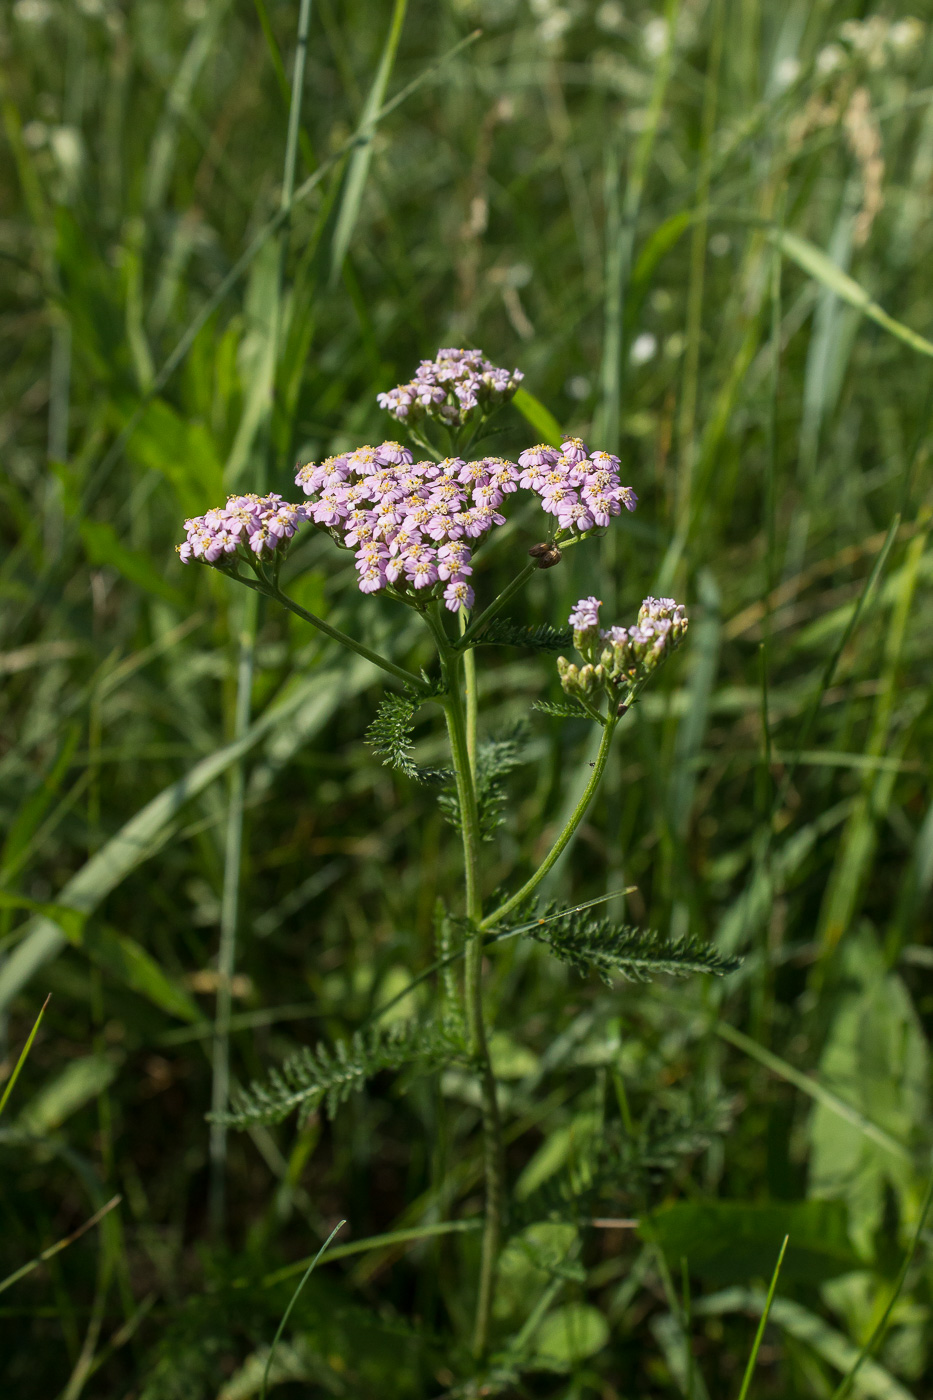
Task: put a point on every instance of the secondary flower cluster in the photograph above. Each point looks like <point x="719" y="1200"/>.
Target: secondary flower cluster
<point x="581" y="488"/>
<point x="452" y="388"/>
<point x="618" y="660"/>
<point x="259" y="524"/>
<point x="412" y="524"/>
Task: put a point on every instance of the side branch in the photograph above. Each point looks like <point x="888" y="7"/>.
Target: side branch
<point x="560" y="844"/>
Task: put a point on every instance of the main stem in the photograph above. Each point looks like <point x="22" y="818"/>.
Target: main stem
<point x="463" y="755"/>
<point x="560" y="844"/>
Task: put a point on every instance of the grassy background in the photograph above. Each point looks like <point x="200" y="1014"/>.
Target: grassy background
<point x="659" y="235"/>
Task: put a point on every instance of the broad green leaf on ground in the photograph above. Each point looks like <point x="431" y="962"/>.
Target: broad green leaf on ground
<point x="731" y="1241"/>
<point x="876" y="1057"/>
<point x="528" y="1261"/>
<point x="569" y="1335"/>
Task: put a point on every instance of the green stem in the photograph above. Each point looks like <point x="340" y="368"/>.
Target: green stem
<point x="518" y="582"/>
<point x="499" y="603"/>
<point x="473" y="986"/>
<point x="273" y="591"/>
<point x="561" y="843"/>
<point x="472" y="699"/>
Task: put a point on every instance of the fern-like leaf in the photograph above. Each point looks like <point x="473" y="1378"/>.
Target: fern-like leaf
<point x="503" y="632"/>
<point x="329" y="1075"/>
<point x="390" y="735"/>
<point x="561" y="709"/>
<point x="592" y="944"/>
<point x="495" y="757"/>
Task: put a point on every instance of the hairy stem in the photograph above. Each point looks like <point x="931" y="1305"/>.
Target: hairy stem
<point x="560" y="844"/>
<point x="457" y="729"/>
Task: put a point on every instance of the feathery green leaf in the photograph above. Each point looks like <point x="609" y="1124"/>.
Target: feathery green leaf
<point x="592" y="944"/>
<point x="561" y="709"/>
<point x="329" y="1075"/>
<point x="503" y="632"/>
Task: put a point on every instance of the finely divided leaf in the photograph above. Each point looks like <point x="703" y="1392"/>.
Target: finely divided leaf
<point x="590" y="944"/>
<point x="390" y="732"/>
<point x="329" y="1075"/>
<point x="503" y="632"/>
<point x="561" y="709"/>
<point x="495" y="757"/>
<point x="390" y="735"/>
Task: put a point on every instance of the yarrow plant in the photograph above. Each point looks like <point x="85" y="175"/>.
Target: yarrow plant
<point x="416" y="519"/>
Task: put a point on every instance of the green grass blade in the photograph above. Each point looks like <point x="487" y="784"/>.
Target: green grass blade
<point x="361" y="158"/>
<point x="22" y="1056"/>
<point x="57" y="1248"/>
<point x="392" y="1237"/>
<point x="540" y="418"/>
<point x="281" y="78"/>
<point x="857" y="846"/>
<point x="821" y="268"/>
<point x="750" y="1368"/>
<point x="294" y="1299"/>
<point x="829" y="670"/>
<point x="812" y="1333"/>
<point x="814" y="1089"/>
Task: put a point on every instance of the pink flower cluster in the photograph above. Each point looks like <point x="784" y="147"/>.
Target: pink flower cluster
<point x="661" y="625"/>
<point x="261" y="524"/>
<point x="451" y="388"/>
<point x="412" y="524"/>
<point x="578" y="486"/>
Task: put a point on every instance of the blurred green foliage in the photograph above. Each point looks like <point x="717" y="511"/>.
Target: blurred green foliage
<point x="711" y="254"/>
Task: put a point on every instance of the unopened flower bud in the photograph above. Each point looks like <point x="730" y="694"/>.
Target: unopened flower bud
<point x="569" y="676"/>
<point x="591" y="679"/>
